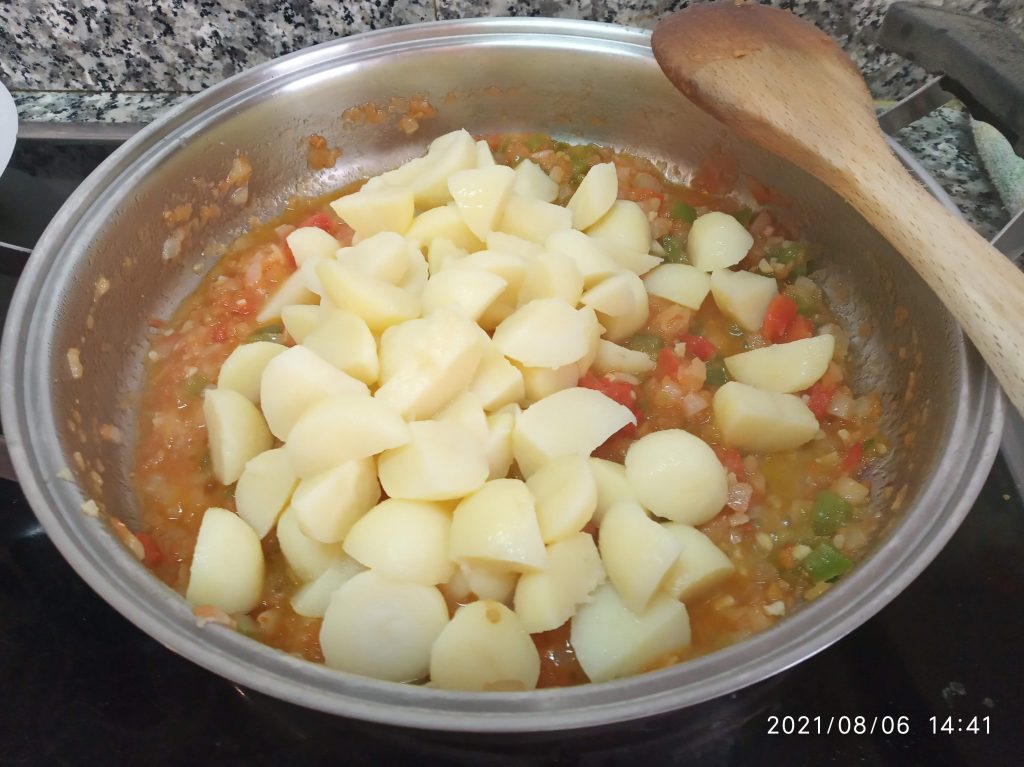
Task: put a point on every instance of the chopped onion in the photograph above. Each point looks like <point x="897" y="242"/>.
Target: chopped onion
<point x="851" y="491"/>
<point x="739" y="497"/>
<point x="841" y="403"/>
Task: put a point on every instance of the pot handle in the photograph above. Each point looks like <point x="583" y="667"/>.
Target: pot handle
<point x="6" y="467"/>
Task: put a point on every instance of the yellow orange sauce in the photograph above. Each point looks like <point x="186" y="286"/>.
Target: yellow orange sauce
<point x="762" y="537"/>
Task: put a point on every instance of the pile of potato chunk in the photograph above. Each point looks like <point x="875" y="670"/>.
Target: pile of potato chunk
<point x="437" y="352"/>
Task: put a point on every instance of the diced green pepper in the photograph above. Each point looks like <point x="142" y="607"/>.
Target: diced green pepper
<point x="744" y="215"/>
<point x="646" y="343"/>
<point x="536" y="141"/>
<point x="825" y="563"/>
<point x="675" y="253"/>
<point x="270" y="333"/>
<point x="680" y="211"/>
<point x="195" y="384"/>
<point x="716" y="373"/>
<point x="786" y="254"/>
<point x="829" y="513"/>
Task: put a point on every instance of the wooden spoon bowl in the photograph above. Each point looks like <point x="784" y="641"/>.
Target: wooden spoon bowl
<point x="783" y="84"/>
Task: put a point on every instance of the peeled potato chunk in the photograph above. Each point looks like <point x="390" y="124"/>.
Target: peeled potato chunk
<point x="264" y="488"/>
<point x="590" y="258"/>
<point x="501" y="242"/>
<point x="426" y="362"/>
<point x="441" y="461"/>
<point x="637" y="553"/>
<point x="565" y="495"/>
<point x="498" y="525"/>
<point x="227" y="565"/>
<point x="484" y="156"/>
<point x="326" y="505"/>
<point x="763" y="421"/>
<point x="533" y="182"/>
<point x="612" y="486"/>
<point x="382" y="628"/>
<point x="236" y="431"/>
<point x="680" y="283"/>
<point x="295" y="380"/>
<point x="614" y="296"/>
<point x="543" y="382"/>
<point x="379" y="303"/>
<point x="701" y="564"/>
<point x="677" y="475"/>
<point x="342" y="428"/>
<point x="467" y="292"/>
<point x="385" y="256"/>
<point x="612" y="358"/>
<point x="344" y="340"/>
<point x="440" y="252"/>
<point x="594" y="196"/>
<point x="466" y="412"/>
<point x="546" y="599"/>
<point x="404" y="540"/>
<point x="480" y="580"/>
<point x="717" y="241"/>
<point x="570" y="422"/>
<point x="484" y="647"/>
<point x="311" y="242"/>
<point x="497" y="381"/>
<point x="623" y="231"/>
<point x="545" y="333"/>
<point x="308" y="558"/>
<point x="498" y="446"/>
<point x="551" y="275"/>
<point x="299" y="321"/>
<point x="243" y="369"/>
<point x="508" y="266"/>
<point x="447" y="154"/>
<point x="743" y="296"/>
<point x="480" y="195"/>
<point x="534" y="219"/>
<point x="785" y="368"/>
<point x="619" y="327"/>
<point x="292" y="291"/>
<point x="311" y="599"/>
<point x="611" y="641"/>
<point x="443" y="223"/>
<point x="369" y="211"/>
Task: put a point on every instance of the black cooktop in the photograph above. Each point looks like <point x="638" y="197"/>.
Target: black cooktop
<point x="938" y="674"/>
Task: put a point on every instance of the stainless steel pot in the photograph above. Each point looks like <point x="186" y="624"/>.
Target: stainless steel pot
<point x="579" y="80"/>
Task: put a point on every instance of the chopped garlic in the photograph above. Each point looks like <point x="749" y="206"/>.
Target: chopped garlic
<point x="90" y="508"/>
<point x="777" y="608"/>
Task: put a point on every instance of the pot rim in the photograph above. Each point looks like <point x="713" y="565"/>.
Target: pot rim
<point x="88" y="545"/>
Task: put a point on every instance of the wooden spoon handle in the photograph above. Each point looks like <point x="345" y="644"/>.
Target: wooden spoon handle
<point x="981" y="288"/>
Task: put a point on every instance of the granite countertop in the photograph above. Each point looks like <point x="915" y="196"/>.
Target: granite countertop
<point x="102" y="61"/>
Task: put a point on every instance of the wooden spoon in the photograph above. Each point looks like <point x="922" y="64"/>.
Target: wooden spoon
<point x="781" y="83"/>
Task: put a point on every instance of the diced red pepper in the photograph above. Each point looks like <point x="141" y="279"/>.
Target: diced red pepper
<point x="798" y="329"/>
<point x="622" y="392"/>
<point x="853" y="458"/>
<point x="668" y="363"/>
<point x="731" y="459"/>
<point x="152" y="556"/>
<point x="781" y="312"/>
<point x="320" y="221"/>
<point x="699" y="346"/>
<point x="820" y="397"/>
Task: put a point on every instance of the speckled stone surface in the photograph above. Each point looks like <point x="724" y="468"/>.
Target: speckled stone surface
<point x="943" y="144"/>
<point x="171" y="45"/>
<point x="99" y="107"/>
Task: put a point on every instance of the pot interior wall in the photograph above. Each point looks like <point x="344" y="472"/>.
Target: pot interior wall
<point x="908" y="348"/>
